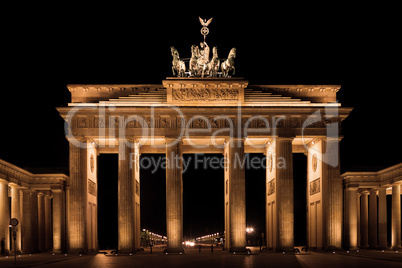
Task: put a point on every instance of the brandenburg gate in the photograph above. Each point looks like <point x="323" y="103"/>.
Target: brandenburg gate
<point x="187" y="115"/>
<point x="202" y="110"/>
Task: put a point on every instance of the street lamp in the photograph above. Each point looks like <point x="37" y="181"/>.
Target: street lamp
<point x="249" y="230"/>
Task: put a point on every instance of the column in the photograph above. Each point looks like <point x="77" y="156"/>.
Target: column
<point x="364" y="220"/>
<point x="373" y="218"/>
<point x="77" y="199"/>
<point x="4" y="215"/>
<point x="58" y="221"/>
<point x="351" y="217"/>
<point x="126" y="195"/>
<point x="26" y="225"/>
<point x="48" y="222"/>
<point x="284" y="179"/>
<point x="15" y="213"/>
<point x="358" y="220"/>
<point x="41" y="222"/>
<point x="135" y="162"/>
<point x="382" y="218"/>
<point x="174" y="195"/>
<point x="236" y="195"/>
<point x="396" y="216"/>
<point x="226" y="194"/>
<point x="34" y="221"/>
<point x="332" y="194"/>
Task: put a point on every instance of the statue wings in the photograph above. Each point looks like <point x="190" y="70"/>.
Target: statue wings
<point x="205" y="22"/>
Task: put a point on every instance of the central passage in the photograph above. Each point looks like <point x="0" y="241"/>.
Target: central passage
<point x="203" y="195"/>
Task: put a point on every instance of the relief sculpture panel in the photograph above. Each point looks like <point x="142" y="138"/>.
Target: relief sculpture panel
<point x="205" y="94"/>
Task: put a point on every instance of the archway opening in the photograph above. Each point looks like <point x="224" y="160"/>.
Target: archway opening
<point x="152" y="195"/>
<point x="107" y="201"/>
<point x="255" y="199"/>
<point x="203" y="195"/>
<point x="300" y="198"/>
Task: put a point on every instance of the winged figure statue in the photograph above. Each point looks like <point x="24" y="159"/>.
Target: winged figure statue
<point x="205" y="22"/>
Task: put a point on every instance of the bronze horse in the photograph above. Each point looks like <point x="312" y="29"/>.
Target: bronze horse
<point x="214" y="64"/>
<point x="178" y="66"/>
<point x="228" y="65"/>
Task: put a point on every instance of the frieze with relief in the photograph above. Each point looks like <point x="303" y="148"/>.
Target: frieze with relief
<point x="205" y="94"/>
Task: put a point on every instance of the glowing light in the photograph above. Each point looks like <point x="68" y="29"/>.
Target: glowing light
<point x="249" y="230"/>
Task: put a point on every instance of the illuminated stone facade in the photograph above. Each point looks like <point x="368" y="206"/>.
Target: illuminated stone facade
<point x="41" y="226"/>
<point x="366" y="208"/>
<point x="201" y="115"/>
<point x="208" y="115"/>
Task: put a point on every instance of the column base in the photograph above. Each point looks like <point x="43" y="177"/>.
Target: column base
<point x="173" y="251"/>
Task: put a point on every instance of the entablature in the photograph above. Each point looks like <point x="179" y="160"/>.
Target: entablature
<point x="382" y="178"/>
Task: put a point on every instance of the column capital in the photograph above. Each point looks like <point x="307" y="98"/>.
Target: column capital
<point x="56" y="188"/>
<point x="27" y="190"/>
<point x="14" y="185"/>
<point x="173" y="141"/>
<point x="373" y="191"/>
<point x="352" y="188"/>
<point x="284" y="139"/>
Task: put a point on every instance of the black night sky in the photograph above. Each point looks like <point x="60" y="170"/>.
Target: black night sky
<point x="50" y="47"/>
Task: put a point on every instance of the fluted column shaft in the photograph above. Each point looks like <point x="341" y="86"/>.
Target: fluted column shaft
<point x="126" y="195"/>
<point x="382" y="218"/>
<point x="284" y="180"/>
<point x="351" y="210"/>
<point x="237" y="195"/>
<point x="174" y="195"/>
<point x="332" y="194"/>
<point x="41" y="222"/>
<point x="76" y="199"/>
<point x="34" y="221"/>
<point x="364" y="220"/>
<point x="48" y="221"/>
<point x="26" y="225"/>
<point x="396" y="216"/>
<point x="373" y="219"/>
<point x="58" y="221"/>
<point x="16" y="213"/>
<point x="358" y="220"/>
<point x="4" y="215"/>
